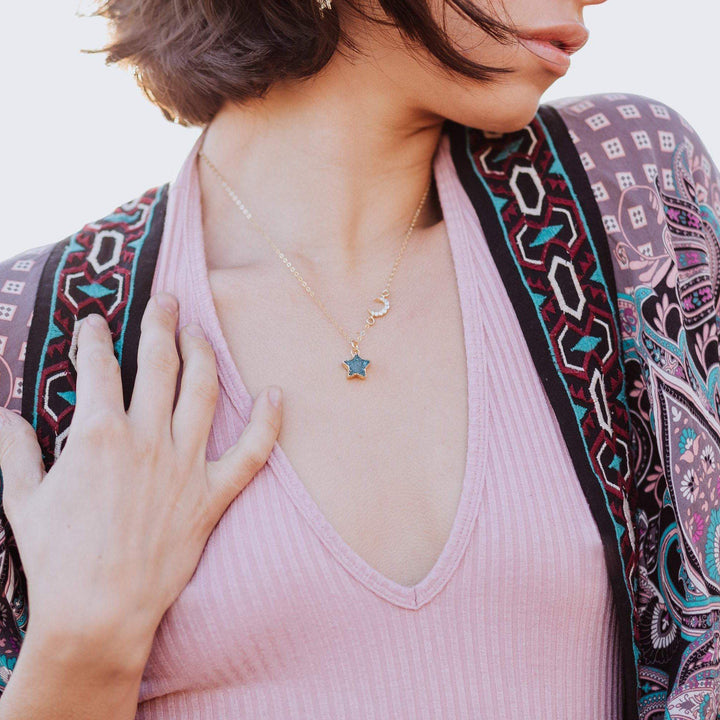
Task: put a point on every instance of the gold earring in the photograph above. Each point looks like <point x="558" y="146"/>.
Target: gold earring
<point x="324" y="5"/>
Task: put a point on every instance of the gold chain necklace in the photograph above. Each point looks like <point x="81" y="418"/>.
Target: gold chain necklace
<point x="356" y="365"/>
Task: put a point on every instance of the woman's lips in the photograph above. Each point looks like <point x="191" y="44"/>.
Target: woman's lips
<point x="555" y="44"/>
<point x="556" y="59"/>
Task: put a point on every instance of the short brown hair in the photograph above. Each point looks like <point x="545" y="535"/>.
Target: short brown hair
<point x="189" y="56"/>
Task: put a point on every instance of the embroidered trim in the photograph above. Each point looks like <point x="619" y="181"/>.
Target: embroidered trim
<point x="106" y="267"/>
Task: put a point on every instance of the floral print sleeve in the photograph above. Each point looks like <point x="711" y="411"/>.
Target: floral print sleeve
<point x="658" y="191"/>
<point x="19" y="278"/>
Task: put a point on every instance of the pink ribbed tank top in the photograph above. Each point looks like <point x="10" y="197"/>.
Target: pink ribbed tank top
<point x="282" y="620"/>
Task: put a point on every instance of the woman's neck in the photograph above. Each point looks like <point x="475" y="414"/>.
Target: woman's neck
<point x="332" y="168"/>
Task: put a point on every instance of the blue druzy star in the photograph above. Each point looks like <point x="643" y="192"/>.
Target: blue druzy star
<point x="356" y="366"/>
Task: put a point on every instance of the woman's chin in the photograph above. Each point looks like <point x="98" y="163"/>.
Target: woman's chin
<point x="507" y="108"/>
<point x="512" y="122"/>
<point x="512" y="118"/>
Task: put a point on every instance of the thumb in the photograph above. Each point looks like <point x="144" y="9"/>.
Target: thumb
<point x="228" y="475"/>
<point x="20" y="459"/>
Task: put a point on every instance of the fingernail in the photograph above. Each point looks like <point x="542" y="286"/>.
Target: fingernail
<point x="167" y="301"/>
<point x="195" y="330"/>
<point x="95" y="320"/>
<point x="275" y="395"/>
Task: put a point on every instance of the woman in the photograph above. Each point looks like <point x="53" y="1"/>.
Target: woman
<point x="507" y="502"/>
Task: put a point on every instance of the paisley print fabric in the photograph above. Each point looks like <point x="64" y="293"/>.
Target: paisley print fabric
<point x="658" y="191"/>
<point x="18" y="285"/>
<point x="19" y="277"/>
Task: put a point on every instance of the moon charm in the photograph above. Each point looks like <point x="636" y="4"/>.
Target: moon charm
<point x="383" y="311"/>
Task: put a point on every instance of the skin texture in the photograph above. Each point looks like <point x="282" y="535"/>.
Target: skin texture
<point x="362" y="136"/>
<point x="363" y="133"/>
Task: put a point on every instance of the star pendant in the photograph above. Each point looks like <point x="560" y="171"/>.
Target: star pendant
<point x="356" y="366"/>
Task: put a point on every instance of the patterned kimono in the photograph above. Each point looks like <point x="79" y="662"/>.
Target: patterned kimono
<point x="602" y="218"/>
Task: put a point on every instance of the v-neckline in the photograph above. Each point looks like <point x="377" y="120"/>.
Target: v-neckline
<point x="417" y="595"/>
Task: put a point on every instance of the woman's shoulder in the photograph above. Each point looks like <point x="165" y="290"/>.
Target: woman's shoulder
<point x="105" y="266"/>
<point x="129" y="222"/>
<point x="19" y="280"/>
<point x="100" y="242"/>
<point x="599" y="111"/>
<point x="650" y="172"/>
<point x="617" y="128"/>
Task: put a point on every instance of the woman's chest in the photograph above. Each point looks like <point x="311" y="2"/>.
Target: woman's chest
<point x="383" y="458"/>
<point x="278" y="608"/>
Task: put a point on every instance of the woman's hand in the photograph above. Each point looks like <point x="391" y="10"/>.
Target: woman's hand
<point x="112" y="534"/>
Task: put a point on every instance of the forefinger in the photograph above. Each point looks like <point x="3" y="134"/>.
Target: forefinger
<point x="98" y="385"/>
